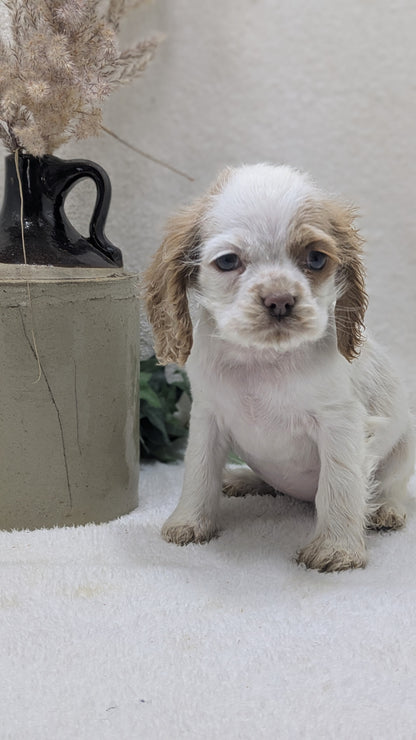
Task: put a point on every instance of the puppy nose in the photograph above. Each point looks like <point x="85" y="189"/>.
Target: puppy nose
<point x="279" y="305"/>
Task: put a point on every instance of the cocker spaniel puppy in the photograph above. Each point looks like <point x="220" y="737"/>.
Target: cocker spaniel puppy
<point x="280" y="369"/>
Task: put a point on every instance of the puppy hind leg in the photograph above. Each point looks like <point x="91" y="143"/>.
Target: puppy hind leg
<point x="392" y="477"/>
<point x="245" y="482"/>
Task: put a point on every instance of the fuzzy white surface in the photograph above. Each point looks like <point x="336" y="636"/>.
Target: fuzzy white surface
<point x="109" y="632"/>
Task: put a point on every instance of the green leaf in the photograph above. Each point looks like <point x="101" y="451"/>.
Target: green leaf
<point x="148" y="394"/>
<point x="162" y="432"/>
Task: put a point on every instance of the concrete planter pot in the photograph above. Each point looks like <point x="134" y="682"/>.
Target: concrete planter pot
<point x="69" y="354"/>
<point x="69" y="418"/>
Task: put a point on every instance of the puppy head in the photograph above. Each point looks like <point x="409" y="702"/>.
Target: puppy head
<point x="268" y="255"/>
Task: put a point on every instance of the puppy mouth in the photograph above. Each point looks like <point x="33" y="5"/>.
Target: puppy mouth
<point x="265" y="330"/>
<point x="277" y="328"/>
<point x="271" y="316"/>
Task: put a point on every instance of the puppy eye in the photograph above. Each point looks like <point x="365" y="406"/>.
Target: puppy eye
<point x="228" y="262"/>
<point x="316" y="260"/>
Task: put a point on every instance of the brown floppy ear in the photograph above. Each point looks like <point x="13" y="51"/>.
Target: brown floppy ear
<point x="166" y="281"/>
<point x="352" y="303"/>
<point x="173" y="269"/>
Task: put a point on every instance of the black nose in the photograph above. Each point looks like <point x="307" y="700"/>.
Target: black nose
<point x="280" y="306"/>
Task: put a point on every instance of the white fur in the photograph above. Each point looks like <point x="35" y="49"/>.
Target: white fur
<point x="308" y="422"/>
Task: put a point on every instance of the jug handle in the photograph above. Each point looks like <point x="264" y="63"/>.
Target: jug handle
<point x="61" y="179"/>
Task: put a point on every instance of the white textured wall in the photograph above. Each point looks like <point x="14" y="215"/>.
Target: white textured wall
<point x="326" y="85"/>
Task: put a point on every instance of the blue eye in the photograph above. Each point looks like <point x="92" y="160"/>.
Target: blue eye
<point x="316" y="260"/>
<point x="228" y="262"/>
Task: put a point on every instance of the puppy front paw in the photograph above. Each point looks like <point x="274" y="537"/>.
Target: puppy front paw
<point x="387" y="517"/>
<point x="184" y="533"/>
<point x="326" y="555"/>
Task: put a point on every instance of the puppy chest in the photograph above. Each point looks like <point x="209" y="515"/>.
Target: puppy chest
<point x="275" y="442"/>
<point x="259" y="417"/>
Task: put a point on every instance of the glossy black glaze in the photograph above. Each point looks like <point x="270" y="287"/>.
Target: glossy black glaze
<point x="50" y="238"/>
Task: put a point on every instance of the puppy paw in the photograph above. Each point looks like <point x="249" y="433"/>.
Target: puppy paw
<point x="327" y="556"/>
<point x="387" y="517"/>
<point x="185" y="533"/>
<point x="245" y="483"/>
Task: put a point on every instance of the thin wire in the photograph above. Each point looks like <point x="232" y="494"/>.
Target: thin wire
<point x="29" y="295"/>
<point x="147" y="156"/>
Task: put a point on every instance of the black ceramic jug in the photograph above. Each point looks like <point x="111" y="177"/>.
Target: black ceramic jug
<point x="50" y="238"/>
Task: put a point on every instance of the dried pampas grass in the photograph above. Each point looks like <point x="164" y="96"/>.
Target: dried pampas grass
<point x="60" y="62"/>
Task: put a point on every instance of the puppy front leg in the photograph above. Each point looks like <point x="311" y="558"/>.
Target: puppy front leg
<point x="341" y="501"/>
<point x="195" y="518"/>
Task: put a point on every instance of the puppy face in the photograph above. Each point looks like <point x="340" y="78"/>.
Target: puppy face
<point x="270" y="258"/>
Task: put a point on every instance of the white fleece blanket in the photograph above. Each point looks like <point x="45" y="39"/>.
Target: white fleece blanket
<point x="109" y="632"/>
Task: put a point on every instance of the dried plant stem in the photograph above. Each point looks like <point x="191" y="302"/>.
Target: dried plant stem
<point x="29" y="294"/>
<point x="147" y="156"/>
<point x="58" y="63"/>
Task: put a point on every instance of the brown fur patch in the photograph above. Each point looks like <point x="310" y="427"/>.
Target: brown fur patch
<point x="352" y="304"/>
<point x="308" y="239"/>
<point x="172" y="270"/>
<point x="344" y="247"/>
